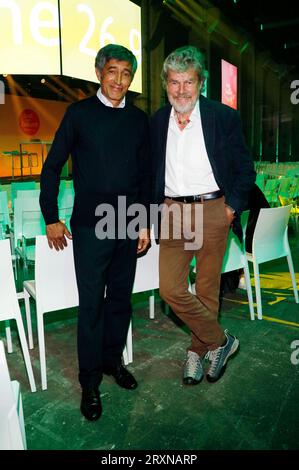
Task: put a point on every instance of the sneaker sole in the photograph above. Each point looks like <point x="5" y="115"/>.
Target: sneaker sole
<point x="195" y="382"/>
<point x="235" y="348"/>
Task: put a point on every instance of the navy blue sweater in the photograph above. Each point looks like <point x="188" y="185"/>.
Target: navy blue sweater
<point x="109" y="150"/>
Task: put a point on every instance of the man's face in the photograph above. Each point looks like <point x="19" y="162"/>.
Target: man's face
<point x="183" y="89"/>
<point x="115" y="79"/>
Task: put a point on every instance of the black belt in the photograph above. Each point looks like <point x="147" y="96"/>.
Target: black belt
<point x="198" y="197"/>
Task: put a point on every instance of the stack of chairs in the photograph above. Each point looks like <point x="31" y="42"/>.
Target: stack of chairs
<point x="280" y="184"/>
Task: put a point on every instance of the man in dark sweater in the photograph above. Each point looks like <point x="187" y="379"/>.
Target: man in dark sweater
<point x="108" y="141"/>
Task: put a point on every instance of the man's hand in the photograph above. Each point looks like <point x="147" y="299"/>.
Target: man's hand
<point x="144" y="240"/>
<point x="56" y="234"/>
<point x="230" y="214"/>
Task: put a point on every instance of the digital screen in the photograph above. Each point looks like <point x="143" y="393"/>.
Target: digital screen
<point x="229" y="77"/>
<point x="29" y="37"/>
<point x="30" y="41"/>
<point x="91" y="24"/>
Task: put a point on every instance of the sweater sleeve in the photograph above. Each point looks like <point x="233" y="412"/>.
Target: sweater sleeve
<point x="50" y="175"/>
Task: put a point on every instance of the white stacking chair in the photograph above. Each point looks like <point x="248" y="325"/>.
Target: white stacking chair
<point x="147" y="274"/>
<point x="9" y="306"/>
<point x="54" y="288"/>
<point x="65" y="204"/>
<point x="27" y="193"/>
<point x="21" y="186"/>
<point x="270" y="241"/>
<point x="146" y="279"/>
<point x="12" y="427"/>
<point x="5" y="226"/>
<point x="4" y="215"/>
<point x="235" y="258"/>
<point x="28" y="223"/>
<point x="65" y="192"/>
<point x="65" y="184"/>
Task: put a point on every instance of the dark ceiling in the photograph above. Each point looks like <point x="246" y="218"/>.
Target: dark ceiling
<point x="273" y="25"/>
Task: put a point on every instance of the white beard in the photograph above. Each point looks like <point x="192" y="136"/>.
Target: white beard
<point x="182" y="109"/>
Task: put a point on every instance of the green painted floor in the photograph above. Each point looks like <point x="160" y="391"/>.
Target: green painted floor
<point x="254" y="406"/>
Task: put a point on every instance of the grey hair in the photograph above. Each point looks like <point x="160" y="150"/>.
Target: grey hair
<point x="115" y="51"/>
<point x="182" y="59"/>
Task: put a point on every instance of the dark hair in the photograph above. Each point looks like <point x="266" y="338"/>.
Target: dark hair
<point x="115" y="51"/>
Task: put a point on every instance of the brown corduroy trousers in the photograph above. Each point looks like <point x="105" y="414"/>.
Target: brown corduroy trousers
<point x="199" y="312"/>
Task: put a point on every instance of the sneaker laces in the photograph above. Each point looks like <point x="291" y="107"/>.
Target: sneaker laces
<point x="192" y="364"/>
<point x="213" y="357"/>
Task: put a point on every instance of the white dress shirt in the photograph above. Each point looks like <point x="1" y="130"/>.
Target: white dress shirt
<point x="106" y="102"/>
<point x="188" y="169"/>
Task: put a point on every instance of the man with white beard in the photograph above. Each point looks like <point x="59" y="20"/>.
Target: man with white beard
<point x="202" y="168"/>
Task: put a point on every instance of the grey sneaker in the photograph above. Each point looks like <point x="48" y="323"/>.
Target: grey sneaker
<point x="193" y="371"/>
<point x="219" y="357"/>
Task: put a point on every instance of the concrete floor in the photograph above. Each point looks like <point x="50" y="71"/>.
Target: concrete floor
<point x="253" y="406"/>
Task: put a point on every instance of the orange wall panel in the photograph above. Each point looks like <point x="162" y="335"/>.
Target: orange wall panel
<point x="23" y="119"/>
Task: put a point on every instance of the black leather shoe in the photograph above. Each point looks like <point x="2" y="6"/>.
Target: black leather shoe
<point x="122" y="376"/>
<point x="91" y="406"/>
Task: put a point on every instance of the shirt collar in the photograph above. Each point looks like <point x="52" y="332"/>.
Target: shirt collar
<point x="108" y="103"/>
